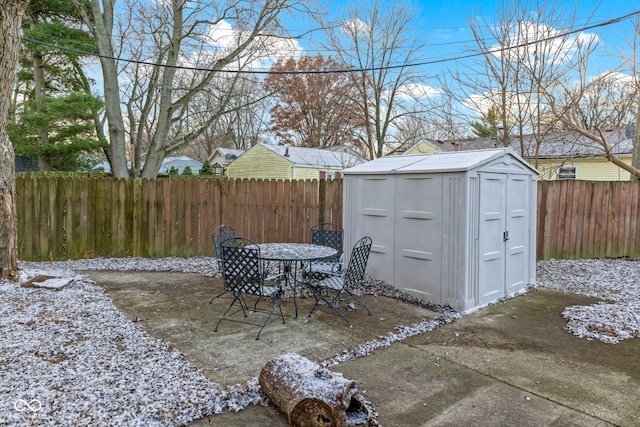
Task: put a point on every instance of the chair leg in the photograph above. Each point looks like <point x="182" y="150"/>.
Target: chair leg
<point x="218" y="296"/>
<point x="224" y="315"/>
<point x="330" y="303"/>
<point x="275" y="305"/>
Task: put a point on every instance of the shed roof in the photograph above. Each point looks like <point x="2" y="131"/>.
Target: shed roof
<point x="442" y="161"/>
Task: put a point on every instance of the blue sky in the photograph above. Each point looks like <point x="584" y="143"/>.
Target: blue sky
<point x="443" y="24"/>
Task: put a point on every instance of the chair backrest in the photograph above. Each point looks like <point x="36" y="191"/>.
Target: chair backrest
<point x="357" y="262"/>
<point x="328" y="234"/>
<point x="220" y="234"/>
<point x="242" y="268"/>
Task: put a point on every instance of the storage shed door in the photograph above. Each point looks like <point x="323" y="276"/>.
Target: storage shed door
<point x="503" y="235"/>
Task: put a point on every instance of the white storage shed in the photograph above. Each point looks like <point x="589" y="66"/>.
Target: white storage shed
<point x="454" y="228"/>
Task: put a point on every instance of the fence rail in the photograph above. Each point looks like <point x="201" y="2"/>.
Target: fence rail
<point x="74" y="217"/>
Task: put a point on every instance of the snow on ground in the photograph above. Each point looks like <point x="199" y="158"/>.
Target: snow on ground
<point x="616" y="281"/>
<point x="70" y="357"/>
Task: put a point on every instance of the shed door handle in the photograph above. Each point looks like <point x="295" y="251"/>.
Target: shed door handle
<point x="505" y="236"/>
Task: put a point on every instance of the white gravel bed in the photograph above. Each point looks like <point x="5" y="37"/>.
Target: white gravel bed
<point x="615" y="281"/>
<point x="70" y="357"/>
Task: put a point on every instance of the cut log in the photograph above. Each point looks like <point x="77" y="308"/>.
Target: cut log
<point x="311" y="395"/>
<point x="47" y="282"/>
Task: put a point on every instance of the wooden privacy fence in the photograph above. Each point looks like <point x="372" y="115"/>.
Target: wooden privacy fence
<point x="588" y="219"/>
<point x="73" y="217"/>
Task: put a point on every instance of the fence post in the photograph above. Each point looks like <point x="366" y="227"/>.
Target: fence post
<point x="322" y="199"/>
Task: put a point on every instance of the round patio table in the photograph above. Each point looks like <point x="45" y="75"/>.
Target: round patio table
<point x="294" y="255"/>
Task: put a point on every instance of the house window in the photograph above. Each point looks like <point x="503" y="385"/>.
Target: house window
<point x="567" y="172"/>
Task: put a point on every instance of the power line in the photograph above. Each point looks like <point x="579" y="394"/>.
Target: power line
<point x="348" y="70"/>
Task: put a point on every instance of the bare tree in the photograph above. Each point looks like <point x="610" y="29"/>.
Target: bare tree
<point x="380" y="42"/>
<point x="168" y="37"/>
<point x="11" y="12"/>
<point x="240" y="125"/>
<point x="591" y="106"/>
<point x="448" y="120"/>
<point x="525" y="54"/>
<point x="633" y="65"/>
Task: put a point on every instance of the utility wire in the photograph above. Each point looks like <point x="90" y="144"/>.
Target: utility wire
<point x="348" y="70"/>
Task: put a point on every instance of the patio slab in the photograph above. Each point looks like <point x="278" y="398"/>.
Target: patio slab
<point x="175" y="308"/>
<point x="509" y="364"/>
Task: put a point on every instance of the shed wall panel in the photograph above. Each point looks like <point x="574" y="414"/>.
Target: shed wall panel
<point x="418" y="235"/>
<point x="370" y="199"/>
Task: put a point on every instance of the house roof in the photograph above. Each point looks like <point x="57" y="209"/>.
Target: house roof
<point x="229" y="154"/>
<point x="435" y="145"/>
<point x="441" y="161"/>
<point x="554" y="145"/>
<point x="314" y="157"/>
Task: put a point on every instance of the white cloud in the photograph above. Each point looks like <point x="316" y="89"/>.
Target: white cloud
<point x="480" y="103"/>
<point x="611" y="83"/>
<point x="354" y="26"/>
<point x="529" y="40"/>
<point x="222" y="35"/>
<point x="417" y="91"/>
<point x="264" y="50"/>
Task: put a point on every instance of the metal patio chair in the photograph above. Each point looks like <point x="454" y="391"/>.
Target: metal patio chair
<point x="335" y="289"/>
<point x="221" y="233"/>
<point x="326" y="234"/>
<point x="243" y="272"/>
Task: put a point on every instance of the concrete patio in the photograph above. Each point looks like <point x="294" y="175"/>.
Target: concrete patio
<point x="509" y="364"/>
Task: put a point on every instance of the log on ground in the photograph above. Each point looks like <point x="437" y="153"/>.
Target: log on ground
<point x="311" y="395"/>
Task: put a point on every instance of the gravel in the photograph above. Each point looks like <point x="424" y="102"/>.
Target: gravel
<point x="615" y="281"/>
<point x="70" y="357"/>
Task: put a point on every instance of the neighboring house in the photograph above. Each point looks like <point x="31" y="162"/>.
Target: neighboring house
<point x="222" y="157"/>
<point x="104" y="166"/>
<point x="268" y="161"/>
<point x="565" y="155"/>
<point x="425" y="147"/>
<point x="179" y="162"/>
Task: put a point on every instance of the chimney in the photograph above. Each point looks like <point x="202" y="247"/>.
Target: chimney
<point x="286" y="151"/>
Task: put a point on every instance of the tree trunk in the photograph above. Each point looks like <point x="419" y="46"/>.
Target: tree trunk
<point x="310" y="395"/>
<point x="635" y="159"/>
<point x="39" y="85"/>
<point x="101" y="25"/>
<point x="11" y="12"/>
